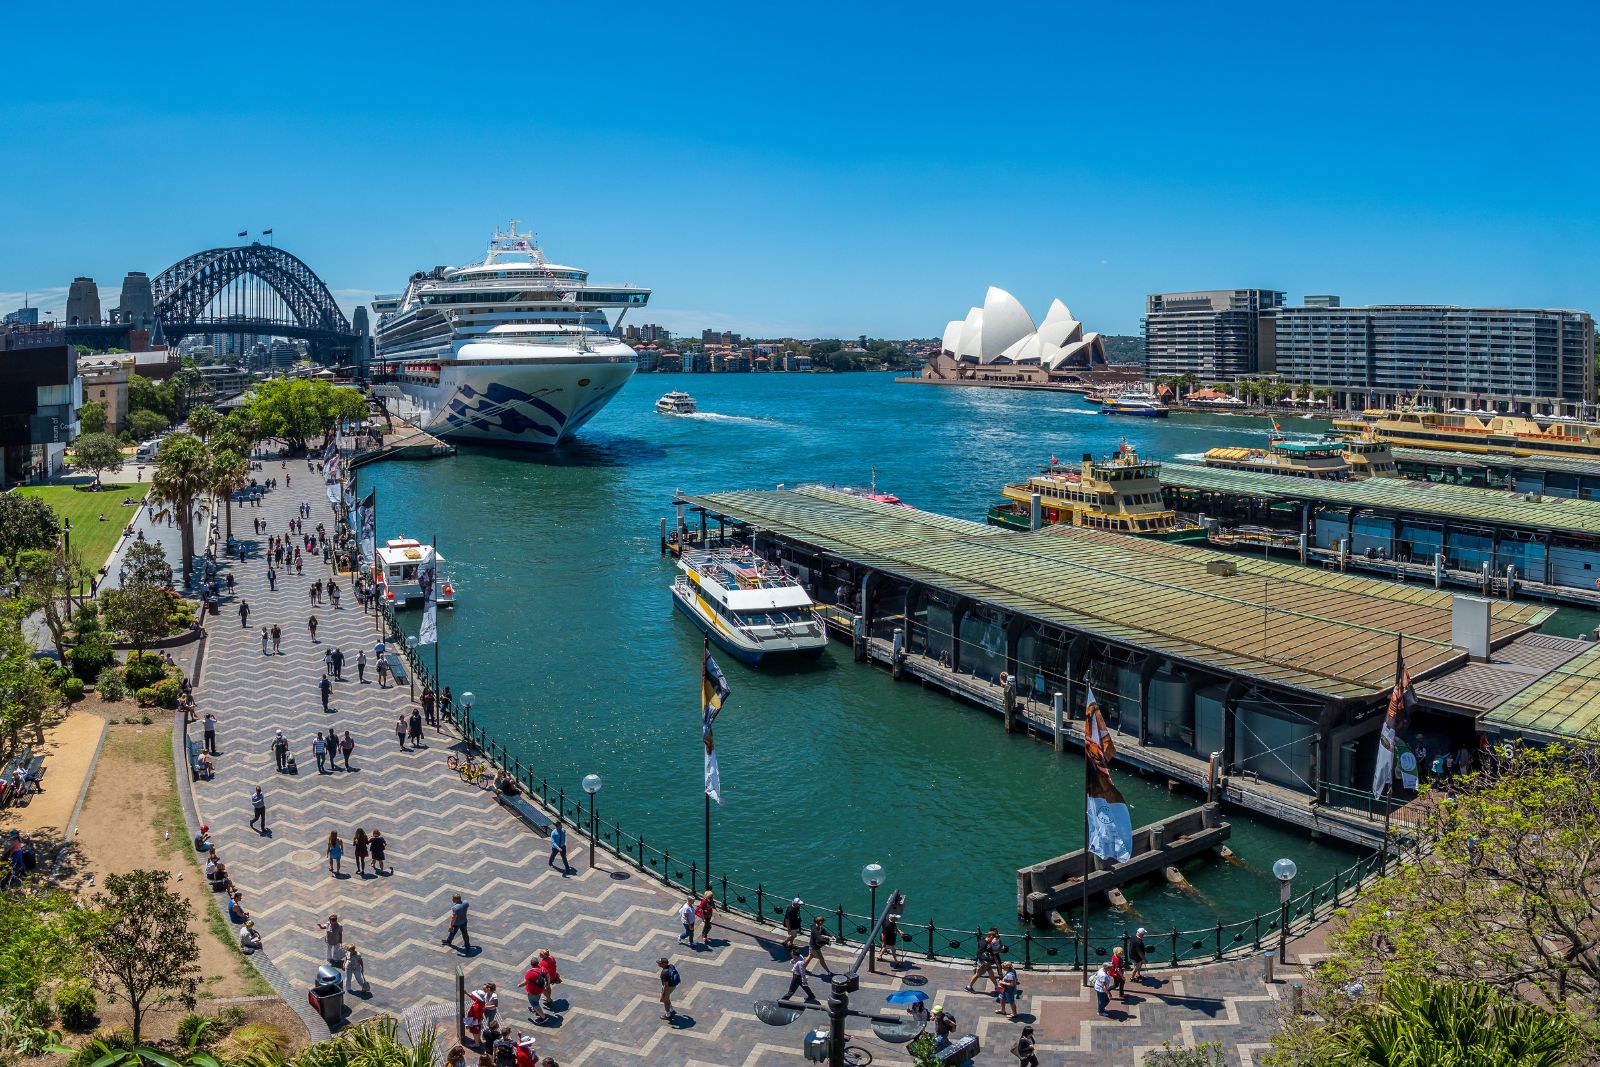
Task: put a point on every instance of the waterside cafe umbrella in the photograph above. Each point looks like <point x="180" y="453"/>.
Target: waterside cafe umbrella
<point x="906" y="996"/>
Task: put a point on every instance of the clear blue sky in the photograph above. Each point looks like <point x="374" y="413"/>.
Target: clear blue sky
<point x="864" y="168"/>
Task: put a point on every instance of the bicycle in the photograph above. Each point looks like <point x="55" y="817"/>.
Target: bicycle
<point x="471" y="771"/>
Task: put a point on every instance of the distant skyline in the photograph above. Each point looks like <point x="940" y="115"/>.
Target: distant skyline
<point x="828" y="172"/>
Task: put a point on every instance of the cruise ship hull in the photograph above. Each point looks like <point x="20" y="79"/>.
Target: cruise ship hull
<point x="528" y="402"/>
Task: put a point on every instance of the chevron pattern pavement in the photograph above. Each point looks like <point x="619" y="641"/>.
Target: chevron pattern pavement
<point x="606" y="926"/>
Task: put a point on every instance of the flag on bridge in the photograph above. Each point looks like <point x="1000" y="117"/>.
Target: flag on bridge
<point x="266" y="233"/>
<point x="244" y="233"/>
<point x="714" y="692"/>
<point x="1110" y="824"/>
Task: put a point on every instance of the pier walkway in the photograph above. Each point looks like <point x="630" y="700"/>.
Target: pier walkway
<point x="606" y="925"/>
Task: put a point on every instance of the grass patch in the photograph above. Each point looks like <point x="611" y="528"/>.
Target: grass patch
<point x="92" y="538"/>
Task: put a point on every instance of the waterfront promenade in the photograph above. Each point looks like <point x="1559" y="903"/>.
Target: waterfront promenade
<point x="606" y="926"/>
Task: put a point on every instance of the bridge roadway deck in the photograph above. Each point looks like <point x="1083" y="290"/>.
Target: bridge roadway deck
<point x="606" y="924"/>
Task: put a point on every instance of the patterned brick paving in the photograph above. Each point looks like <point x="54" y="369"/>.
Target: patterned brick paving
<point x="606" y="926"/>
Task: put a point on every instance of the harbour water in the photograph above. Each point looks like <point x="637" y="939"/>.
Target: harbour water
<point x="566" y="635"/>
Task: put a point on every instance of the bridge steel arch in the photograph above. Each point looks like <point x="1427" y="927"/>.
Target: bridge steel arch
<point x="184" y="291"/>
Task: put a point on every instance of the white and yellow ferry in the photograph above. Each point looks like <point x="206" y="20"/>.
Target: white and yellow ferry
<point x="747" y="606"/>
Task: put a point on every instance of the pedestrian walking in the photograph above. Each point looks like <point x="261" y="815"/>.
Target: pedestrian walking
<point x="266" y="642"/>
<point x="891" y="940"/>
<point x="338" y="664"/>
<point x="244" y="614"/>
<point x="546" y="962"/>
<point x="272" y="579"/>
<point x="443" y="710"/>
<point x="230" y="574"/>
<point x="319" y="749"/>
<point x="818" y="939"/>
<point x="347" y="747"/>
<point x="361" y="667"/>
<point x="311" y="624"/>
<point x="379" y="848"/>
<point x="686" y="923"/>
<point x="209" y="734"/>
<point x="277" y="638"/>
<point x="536" y="983"/>
<point x="944" y="1028"/>
<point x="458" y="923"/>
<point x="333" y="938"/>
<point x="359" y="845"/>
<point x="670" y="979"/>
<point x="327" y="690"/>
<point x="1101" y="983"/>
<point x="792" y="922"/>
<point x="797" y="975"/>
<point x="327" y="660"/>
<point x="383" y="671"/>
<point x="400" y="732"/>
<point x="1006" y="995"/>
<point x="703" y="910"/>
<point x="1115" y="969"/>
<point x="558" y="847"/>
<point x="1137" y="953"/>
<point x="280" y="750"/>
<point x="258" y="808"/>
<point x="334" y="595"/>
<point x="988" y="961"/>
<point x="355" y="970"/>
<point x="427" y="706"/>
<point x="1024" y="1049"/>
<point x="414" y="728"/>
<point x="335" y="854"/>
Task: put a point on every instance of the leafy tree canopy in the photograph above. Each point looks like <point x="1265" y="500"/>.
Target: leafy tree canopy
<point x="299" y="409"/>
<point x="143" y="953"/>
<point x="97" y="453"/>
<point x="92" y="417"/>
<point x="144" y="424"/>
<point x="26" y="522"/>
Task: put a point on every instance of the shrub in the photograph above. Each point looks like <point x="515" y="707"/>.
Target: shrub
<point x="91" y="656"/>
<point x="72" y="689"/>
<point x="110" y="684"/>
<point x="75" y="1003"/>
<point x="165" y="693"/>
<point x="145" y="720"/>
<point x="197" y="1030"/>
<point x="132" y="720"/>
<point x="118" y="1038"/>
<point x="252" y="1042"/>
<point x="144" y="669"/>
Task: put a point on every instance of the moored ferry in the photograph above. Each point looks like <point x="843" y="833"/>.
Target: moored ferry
<point x="749" y="607"/>
<point x="1324" y="459"/>
<point x="1121" y="493"/>
<point x="397" y="573"/>
<point x="1370" y="456"/>
<point x="1481" y="432"/>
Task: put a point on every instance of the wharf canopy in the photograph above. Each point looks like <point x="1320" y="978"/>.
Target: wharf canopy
<point x="1002" y="332"/>
<point x="1282" y="669"/>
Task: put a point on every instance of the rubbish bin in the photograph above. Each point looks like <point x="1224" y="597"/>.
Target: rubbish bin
<point x="816" y="1046"/>
<point x="327" y="995"/>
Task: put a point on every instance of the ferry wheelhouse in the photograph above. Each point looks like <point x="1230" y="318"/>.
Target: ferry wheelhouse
<point x="398" y="569"/>
<point x="1322" y="459"/>
<point x="749" y="607"/>
<point x="1121" y="493"/>
<point x="1483" y="432"/>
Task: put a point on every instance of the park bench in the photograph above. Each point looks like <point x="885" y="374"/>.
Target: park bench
<point x="195" y="748"/>
<point x="526" y="810"/>
<point x="397" y="667"/>
<point x="32" y="769"/>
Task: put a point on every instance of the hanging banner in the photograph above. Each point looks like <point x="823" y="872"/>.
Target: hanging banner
<point x="427" y="579"/>
<point x="367" y="528"/>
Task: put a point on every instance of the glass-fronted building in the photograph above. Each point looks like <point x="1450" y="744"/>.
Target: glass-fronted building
<point x="1518" y="360"/>
<point x="1214" y="334"/>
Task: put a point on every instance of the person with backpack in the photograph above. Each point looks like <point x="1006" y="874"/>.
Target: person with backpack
<point x="1023" y="1050"/>
<point x="670" y="979"/>
<point x="536" y="983"/>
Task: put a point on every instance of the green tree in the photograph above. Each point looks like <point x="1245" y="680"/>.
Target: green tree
<point x="92" y="417"/>
<point x="26" y="695"/>
<point x="140" y="611"/>
<point x="145" y="394"/>
<point x="42" y="935"/>
<point x="204" y="421"/>
<point x="143" y="952"/>
<point x="299" y="409"/>
<point x="48" y="577"/>
<point x="183" y="476"/>
<point x="145" y="563"/>
<point x="26" y="522"/>
<point x="97" y="453"/>
<point x="230" y="471"/>
<point x="144" y="424"/>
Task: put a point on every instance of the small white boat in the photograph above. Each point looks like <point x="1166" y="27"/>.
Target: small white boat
<point x="676" y="404"/>
<point x="749" y="607"/>
<point x="398" y="572"/>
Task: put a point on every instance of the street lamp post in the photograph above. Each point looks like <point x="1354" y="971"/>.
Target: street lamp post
<point x="66" y="555"/>
<point x="872" y="875"/>
<point x="1285" y="871"/>
<point x="411" y="666"/>
<point x="591" y="785"/>
<point x="467" y="700"/>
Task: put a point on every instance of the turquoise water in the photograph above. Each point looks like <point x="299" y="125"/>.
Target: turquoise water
<point x="566" y="635"/>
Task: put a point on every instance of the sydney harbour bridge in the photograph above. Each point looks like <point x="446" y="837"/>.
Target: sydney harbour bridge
<point x="253" y="290"/>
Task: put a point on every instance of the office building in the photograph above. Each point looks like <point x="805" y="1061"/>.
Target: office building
<point x="1214" y="334"/>
<point x="1521" y="360"/>
<point x="23" y="316"/>
<point x="83" y="302"/>
<point x="40" y="393"/>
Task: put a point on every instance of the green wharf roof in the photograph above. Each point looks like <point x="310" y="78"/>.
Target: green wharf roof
<point x="1495" y="507"/>
<point x="1326" y="633"/>
<point x="1550" y="464"/>
<point x="1562" y="705"/>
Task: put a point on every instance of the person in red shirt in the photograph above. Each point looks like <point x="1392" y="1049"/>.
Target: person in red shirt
<point x="546" y="962"/>
<point x="702" y="911"/>
<point x="537" y="984"/>
<point x="525" y="1054"/>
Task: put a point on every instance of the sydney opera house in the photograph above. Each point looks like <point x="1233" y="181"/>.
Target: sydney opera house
<point x="999" y="342"/>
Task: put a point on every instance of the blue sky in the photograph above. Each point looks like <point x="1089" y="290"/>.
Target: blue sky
<point x="781" y="169"/>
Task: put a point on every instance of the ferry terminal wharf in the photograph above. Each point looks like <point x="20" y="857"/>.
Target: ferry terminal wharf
<point x="1487" y="539"/>
<point x="1563" y="476"/>
<point x="1284" y="671"/>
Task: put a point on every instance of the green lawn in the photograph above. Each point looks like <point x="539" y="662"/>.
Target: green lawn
<point x="92" y="539"/>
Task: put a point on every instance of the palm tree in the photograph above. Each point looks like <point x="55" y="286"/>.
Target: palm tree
<point x="203" y="422"/>
<point x="182" y="477"/>
<point x="230" y="472"/>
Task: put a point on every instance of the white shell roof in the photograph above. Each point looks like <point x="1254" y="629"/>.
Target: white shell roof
<point x="1002" y="332"/>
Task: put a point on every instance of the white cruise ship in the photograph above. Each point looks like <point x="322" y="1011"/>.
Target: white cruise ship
<point x="510" y="351"/>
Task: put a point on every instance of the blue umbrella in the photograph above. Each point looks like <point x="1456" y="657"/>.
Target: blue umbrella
<point x="906" y="996"/>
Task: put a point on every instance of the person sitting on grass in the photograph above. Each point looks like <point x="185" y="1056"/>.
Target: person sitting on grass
<point x="249" y="940"/>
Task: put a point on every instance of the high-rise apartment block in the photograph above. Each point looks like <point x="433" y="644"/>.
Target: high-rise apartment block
<point x="1214" y="334"/>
